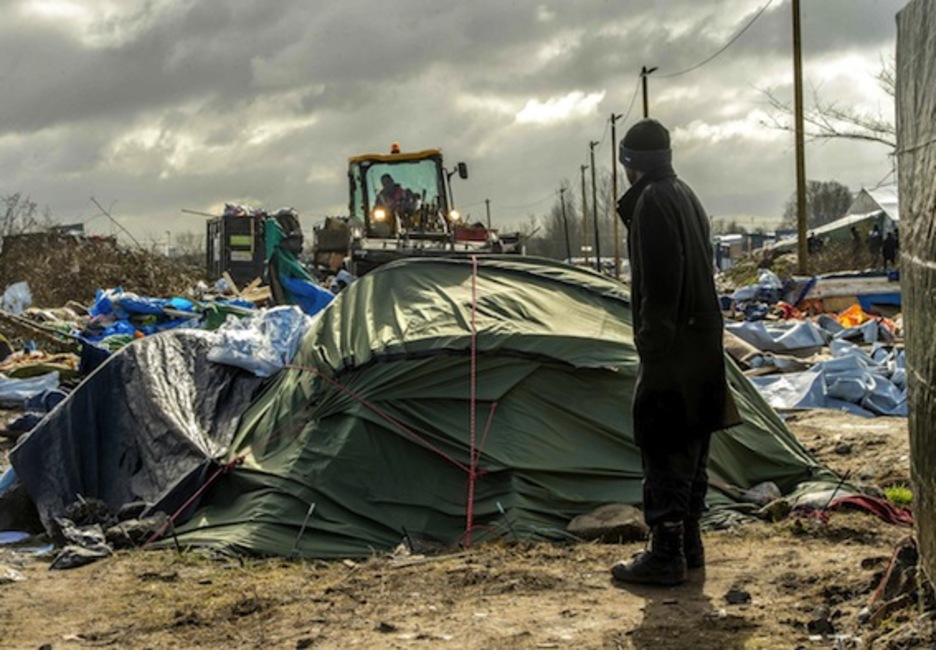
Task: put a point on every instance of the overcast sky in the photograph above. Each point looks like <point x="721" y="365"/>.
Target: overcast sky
<point x="152" y="106"/>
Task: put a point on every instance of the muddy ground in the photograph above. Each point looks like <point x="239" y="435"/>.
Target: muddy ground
<point x="799" y="583"/>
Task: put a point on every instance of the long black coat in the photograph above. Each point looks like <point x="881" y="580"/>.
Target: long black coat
<point x="681" y="388"/>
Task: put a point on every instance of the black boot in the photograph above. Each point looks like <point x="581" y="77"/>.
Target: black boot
<point x="663" y="563"/>
<point x="692" y="544"/>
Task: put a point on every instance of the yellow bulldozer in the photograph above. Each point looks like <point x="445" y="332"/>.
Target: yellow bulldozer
<point x="401" y="206"/>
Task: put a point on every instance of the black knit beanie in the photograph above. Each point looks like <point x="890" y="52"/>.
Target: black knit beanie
<point x="646" y="146"/>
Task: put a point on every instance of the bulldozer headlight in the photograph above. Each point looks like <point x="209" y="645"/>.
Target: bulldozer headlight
<point x="379" y="214"/>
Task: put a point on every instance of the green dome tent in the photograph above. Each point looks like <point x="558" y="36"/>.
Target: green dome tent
<point x="453" y="400"/>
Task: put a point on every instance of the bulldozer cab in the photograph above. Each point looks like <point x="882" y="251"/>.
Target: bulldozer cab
<point x="401" y="193"/>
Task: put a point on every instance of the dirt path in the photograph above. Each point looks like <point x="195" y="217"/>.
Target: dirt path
<point x="763" y="586"/>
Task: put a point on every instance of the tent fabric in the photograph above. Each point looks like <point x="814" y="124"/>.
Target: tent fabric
<point x="865" y="383"/>
<point x="369" y="436"/>
<point x="152" y="414"/>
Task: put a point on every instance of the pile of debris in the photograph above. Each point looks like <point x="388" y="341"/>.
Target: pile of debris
<point x="821" y="342"/>
<point x="60" y="268"/>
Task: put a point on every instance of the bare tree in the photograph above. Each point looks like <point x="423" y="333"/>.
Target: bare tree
<point x="827" y="120"/>
<point x="19" y="215"/>
<point x="825" y="201"/>
<point x="189" y="244"/>
<point x="187" y="248"/>
<point x="550" y="238"/>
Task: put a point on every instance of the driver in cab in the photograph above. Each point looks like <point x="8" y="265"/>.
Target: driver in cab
<point x="391" y="196"/>
<point x="397" y="200"/>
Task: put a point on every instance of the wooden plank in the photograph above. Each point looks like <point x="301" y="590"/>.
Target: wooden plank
<point x="260" y="294"/>
<point x="253" y="285"/>
<point x="230" y="281"/>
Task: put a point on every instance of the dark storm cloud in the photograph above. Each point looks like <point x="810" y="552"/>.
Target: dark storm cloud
<point x="203" y="51"/>
<point x="164" y="104"/>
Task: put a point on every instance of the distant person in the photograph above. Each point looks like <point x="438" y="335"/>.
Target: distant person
<point x="856" y="243"/>
<point x="889" y="250"/>
<point x="681" y="396"/>
<point x="875" y="241"/>
<point x="813" y="244"/>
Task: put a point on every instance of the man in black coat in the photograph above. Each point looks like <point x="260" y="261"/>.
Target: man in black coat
<point x="681" y="396"/>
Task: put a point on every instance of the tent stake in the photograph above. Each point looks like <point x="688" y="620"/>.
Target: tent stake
<point x="837" y="488"/>
<point x="409" y="540"/>
<point x="507" y="521"/>
<point x="302" y="528"/>
<point x="175" y="538"/>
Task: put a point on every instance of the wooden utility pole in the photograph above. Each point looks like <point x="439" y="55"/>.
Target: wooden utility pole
<point x="800" y="144"/>
<point x="565" y="224"/>
<point x="585" y="246"/>
<point x="614" y="197"/>
<point x="644" y="73"/>
<point x="591" y="146"/>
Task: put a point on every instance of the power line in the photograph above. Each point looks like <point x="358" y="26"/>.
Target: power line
<point x="470" y="205"/>
<point x="722" y="49"/>
<point x="528" y="205"/>
<point x="633" y="99"/>
<point x="605" y="134"/>
<point x="883" y="181"/>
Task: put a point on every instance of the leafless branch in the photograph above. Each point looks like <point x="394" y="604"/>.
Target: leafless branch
<point x="828" y="120"/>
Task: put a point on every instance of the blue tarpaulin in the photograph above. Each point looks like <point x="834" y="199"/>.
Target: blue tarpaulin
<point x="853" y="380"/>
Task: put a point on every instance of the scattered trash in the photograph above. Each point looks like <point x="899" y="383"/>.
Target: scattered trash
<point x="802" y="354"/>
<point x="84" y="545"/>
<point x="16" y="298"/>
<point x="8" y="575"/>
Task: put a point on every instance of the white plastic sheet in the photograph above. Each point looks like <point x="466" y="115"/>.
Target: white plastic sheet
<point x="262" y="343"/>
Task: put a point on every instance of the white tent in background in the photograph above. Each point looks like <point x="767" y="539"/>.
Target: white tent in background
<point x="877" y="206"/>
<point x="880" y="199"/>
